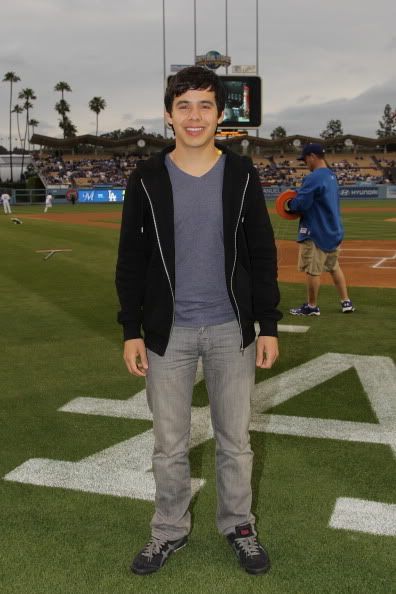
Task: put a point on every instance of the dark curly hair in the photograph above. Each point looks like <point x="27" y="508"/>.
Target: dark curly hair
<point x="195" y="78"/>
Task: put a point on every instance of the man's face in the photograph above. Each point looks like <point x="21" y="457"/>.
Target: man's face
<point x="194" y="118"/>
<point x="310" y="161"/>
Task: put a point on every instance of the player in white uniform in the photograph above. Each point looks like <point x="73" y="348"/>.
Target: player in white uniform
<point x="6" y="203"/>
<point x="48" y="202"/>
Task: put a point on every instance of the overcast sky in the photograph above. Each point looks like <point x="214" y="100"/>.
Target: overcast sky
<point x="318" y="60"/>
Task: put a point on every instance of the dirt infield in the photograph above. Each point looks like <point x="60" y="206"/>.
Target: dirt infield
<point x="94" y="219"/>
<point x="365" y="263"/>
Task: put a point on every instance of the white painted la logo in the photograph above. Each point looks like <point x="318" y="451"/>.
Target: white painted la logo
<point x="124" y="470"/>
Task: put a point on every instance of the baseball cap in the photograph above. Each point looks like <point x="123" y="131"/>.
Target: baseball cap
<point x="312" y="148"/>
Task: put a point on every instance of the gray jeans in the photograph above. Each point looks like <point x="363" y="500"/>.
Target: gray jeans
<point x="229" y="376"/>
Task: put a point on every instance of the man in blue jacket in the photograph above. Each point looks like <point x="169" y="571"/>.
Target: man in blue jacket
<point x="196" y="268"/>
<point x="320" y="230"/>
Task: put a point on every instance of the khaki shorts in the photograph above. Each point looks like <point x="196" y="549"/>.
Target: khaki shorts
<point x="313" y="260"/>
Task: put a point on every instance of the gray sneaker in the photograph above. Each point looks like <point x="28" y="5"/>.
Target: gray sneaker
<point x="251" y="554"/>
<point x="155" y="554"/>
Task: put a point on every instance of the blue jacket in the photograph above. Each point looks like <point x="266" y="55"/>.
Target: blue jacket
<point x="319" y="202"/>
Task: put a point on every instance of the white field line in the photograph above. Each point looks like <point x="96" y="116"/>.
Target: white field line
<point x="361" y="515"/>
<point x="380" y="261"/>
<point x="387" y="259"/>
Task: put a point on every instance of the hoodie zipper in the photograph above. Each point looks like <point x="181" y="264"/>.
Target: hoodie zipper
<point x="235" y="259"/>
<point x="162" y="255"/>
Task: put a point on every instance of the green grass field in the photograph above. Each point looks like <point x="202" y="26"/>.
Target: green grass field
<point x="59" y="341"/>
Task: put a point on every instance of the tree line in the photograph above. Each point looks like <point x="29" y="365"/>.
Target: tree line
<point x="62" y="107"/>
<point x="334" y="129"/>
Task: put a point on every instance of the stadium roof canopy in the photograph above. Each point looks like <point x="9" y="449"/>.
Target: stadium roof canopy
<point x="288" y="143"/>
<point x="91" y="139"/>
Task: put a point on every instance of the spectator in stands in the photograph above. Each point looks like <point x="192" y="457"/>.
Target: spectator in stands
<point x="320" y="230"/>
<point x="115" y="171"/>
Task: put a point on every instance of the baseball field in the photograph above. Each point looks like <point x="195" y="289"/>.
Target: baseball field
<point x="76" y="488"/>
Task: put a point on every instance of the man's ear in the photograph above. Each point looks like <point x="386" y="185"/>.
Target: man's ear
<point x="220" y="118"/>
<point x="168" y="118"/>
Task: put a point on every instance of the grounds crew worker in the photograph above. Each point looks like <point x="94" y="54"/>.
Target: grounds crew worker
<point x="320" y="230"/>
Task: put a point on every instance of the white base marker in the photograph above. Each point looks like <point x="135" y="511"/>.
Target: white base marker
<point x="361" y="515"/>
<point x="51" y="252"/>
<point x="124" y="469"/>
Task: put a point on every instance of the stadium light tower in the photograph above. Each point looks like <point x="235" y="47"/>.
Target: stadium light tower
<point x="257" y="38"/>
<point x="195" y="28"/>
<point x="163" y="54"/>
<point x="226" y="31"/>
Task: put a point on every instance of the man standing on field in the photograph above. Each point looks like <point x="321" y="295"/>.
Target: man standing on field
<point x="320" y="230"/>
<point x="5" y="198"/>
<point x="196" y="267"/>
<point x="48" y="202"/>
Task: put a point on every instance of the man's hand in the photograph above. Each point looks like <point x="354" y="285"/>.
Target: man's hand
<point x="135" y="356"/>
<point x="267" y="351"/>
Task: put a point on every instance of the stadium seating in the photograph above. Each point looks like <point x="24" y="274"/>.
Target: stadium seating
<point x="274" y="170"/>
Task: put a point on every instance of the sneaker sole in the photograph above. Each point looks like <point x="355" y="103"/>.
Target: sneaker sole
<point x="258" y="571"/>
<point x="148" y="571"/>
<point x="349" y="310"/>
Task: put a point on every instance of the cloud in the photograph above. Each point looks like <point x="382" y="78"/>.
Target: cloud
<point x="304" y="99"/>
<point x="391" y="44"/>
<point x="155" y="124"/>
<point x="358" y="115"/>
<point x="11" y="61"/>
<point x="308" y="58"/>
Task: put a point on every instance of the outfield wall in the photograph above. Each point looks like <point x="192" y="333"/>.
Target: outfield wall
<point x="379" y="192"/>
<point x="114" y="195"/>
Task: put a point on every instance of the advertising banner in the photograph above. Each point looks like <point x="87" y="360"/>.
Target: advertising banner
<point x="346" y="192"/>
<point x="359" y="192"/>
<point x="271" y="192"/>
<point x="390" y="192"/>
<point x="101" y="195"/>
<point x="244" y="69"/>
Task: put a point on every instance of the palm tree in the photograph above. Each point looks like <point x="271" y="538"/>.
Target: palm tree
<point x="69" y="129"/>
<point x="27" y="95"/>
<point x="12" y="78"/>
<point x="18" y="110"/>
<point x="62" y="107"/>
<point x="33" y="123"/>
<point x="97" y="104"/>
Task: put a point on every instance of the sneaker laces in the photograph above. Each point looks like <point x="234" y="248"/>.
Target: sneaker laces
<point x="153" y="547"/>
<point x="249" y="545"/>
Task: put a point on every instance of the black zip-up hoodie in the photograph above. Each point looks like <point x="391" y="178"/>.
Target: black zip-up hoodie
<point x="145" y="273"/>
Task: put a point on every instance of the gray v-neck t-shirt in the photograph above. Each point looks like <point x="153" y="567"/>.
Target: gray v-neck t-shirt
<point x="201" y="294"/>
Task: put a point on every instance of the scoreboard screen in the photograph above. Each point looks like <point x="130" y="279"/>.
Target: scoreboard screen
<point x="243" y="102"/>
